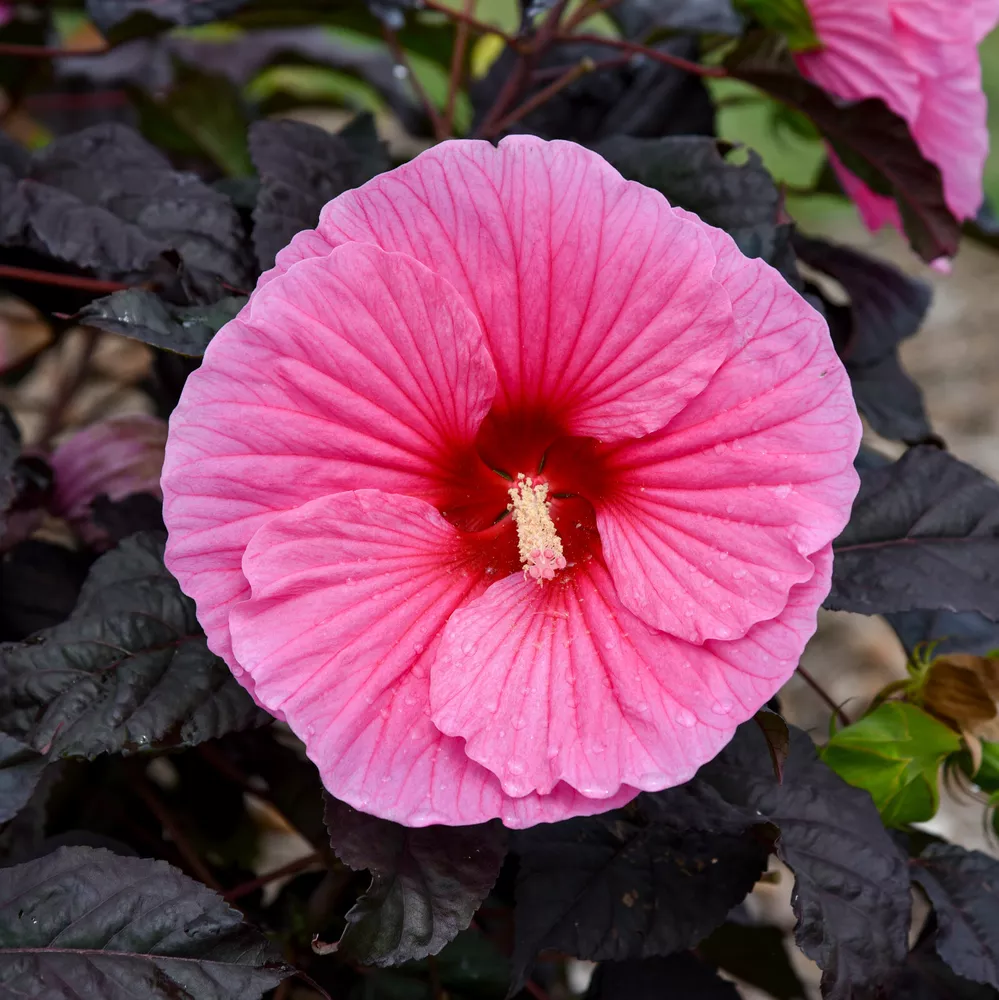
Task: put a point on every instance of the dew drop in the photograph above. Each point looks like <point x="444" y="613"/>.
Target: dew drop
<point x="399" y="71"/>
<point x="642" y="707"/>
<point x="516" y="766"/>
<point x="738" y="574"/>
<point x="721" y="707"/>
<point x="520" y="722"/>
<point x="417" y="647"/>
<point x="310" y="730"/>
<point x="782" y="491"/>
<point x="685" y="718"/>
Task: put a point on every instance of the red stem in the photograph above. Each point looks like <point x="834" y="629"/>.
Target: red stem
<point x="292" y="868"/>
<point x="457" y="66"/>
<point x="677" y="62"/>
<point x="47" y="51"/>
<point x="572" y="74"/>
<point x="824" y="695"/>
<point x="399" y="54"/>
<point x="63" y="280"/>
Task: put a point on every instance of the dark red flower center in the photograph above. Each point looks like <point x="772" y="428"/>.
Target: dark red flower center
<point x="476" y="497"/>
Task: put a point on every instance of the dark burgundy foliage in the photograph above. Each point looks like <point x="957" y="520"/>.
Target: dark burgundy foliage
<point x="144" y="188"/>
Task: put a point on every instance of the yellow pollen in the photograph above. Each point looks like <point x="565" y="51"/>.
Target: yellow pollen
<point x="538" y="542"/>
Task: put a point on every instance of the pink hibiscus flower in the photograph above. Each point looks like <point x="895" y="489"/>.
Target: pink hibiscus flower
<point x="512" y="488"/>
<point x="921" y="58"/>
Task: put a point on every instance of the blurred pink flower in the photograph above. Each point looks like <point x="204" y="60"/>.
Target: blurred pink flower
<point x="921" y="58"/>
<point x="117" y="457"/>
<point x="512" y="488"/>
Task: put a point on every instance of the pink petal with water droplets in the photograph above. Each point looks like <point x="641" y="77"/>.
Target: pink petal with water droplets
<point x="358" y="369"/>
<point x="710" y="523"/>
<point x="350" y="594"/>
<point x="596" y="301"/>
<point x="561" y="683"/>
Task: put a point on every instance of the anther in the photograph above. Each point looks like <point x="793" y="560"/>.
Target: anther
<point x="538" y="542"/>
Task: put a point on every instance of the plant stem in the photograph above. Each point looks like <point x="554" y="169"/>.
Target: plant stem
<point x="47" y="51"/>
<point x="677" y="62"/>
<point x="63" y="280"/>
<point x="292" y="868"/>
<point x="824" y="695"/>
<point x="457" y="66"/>
<point x="570" y="76"/>
<point x="399" y="55"/>
<point x="555" y="71"/>
<point x="172" y="827"/>
<point x="536" y="991"/>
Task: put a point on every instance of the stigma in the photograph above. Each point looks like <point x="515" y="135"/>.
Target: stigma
<point x="537" y="540"/>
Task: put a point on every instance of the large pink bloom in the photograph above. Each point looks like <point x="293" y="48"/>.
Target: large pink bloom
<point x="921" y="58"/>
<point x="339" y="472"/>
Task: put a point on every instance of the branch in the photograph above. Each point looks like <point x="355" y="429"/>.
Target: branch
<point x="677" y="62"/>
<point x="170" y="825"/>
<point x="292" y="868"/>
<point x="824" y="695"/>
<point x="457" y="66"/>
<point x="570" y="76"/>
<point x="63" y="280"/>
<point x="399" y="54"/>
<point x="47" y="51"/>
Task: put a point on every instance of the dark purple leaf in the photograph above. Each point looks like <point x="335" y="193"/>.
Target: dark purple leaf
<point x="650" y="879"/>
<point x="778" y="738"/>
<point x="426" y="883"/>
<point x="144" y="316"/>
<point x="129" y="670"/>
<point x="301" y="168"/>
<point x="924" y="535"/>
<point x="20" y="771"/>
<point x="679" y="977"/>
<point x="83" y="922"/>
<point x="963" y="888"/>
<point x="886" y="307"/>
<point x="107" y="13"/>
<point x="851" y="890"/>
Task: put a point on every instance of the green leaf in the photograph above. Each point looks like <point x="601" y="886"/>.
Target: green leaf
<point x="789" y="17"/>
<point x="894" y="753"/>
<point x="130" y="670"/>
<point x="83" y="922"/>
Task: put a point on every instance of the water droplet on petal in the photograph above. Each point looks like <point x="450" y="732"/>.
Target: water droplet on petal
<point x="685" y="718"/>
<point x="516" y="766"/>
<point x="721" y="707"/>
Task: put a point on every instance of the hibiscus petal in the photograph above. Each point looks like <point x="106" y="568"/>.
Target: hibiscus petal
<point x="710" y="522"/>
<point x="358" y="369"/>
<point x="859" y="56"/>
<point x="350" y="594"/>
<point x="561" y="683"/>
<point x="597" y="303"/>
